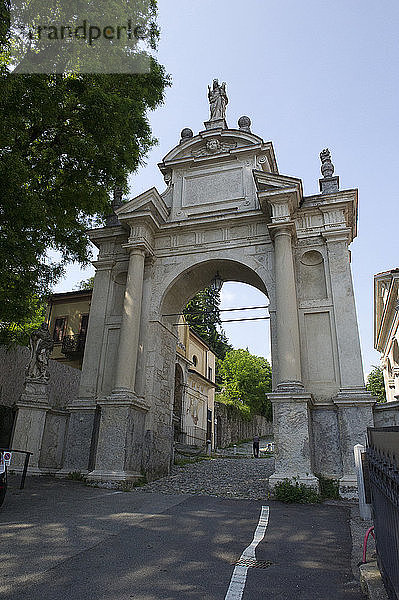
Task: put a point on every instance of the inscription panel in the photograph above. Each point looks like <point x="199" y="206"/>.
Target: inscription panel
<point x="213" y="188"/>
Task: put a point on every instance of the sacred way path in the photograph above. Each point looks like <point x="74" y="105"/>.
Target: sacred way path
<point x="206" y="532"/>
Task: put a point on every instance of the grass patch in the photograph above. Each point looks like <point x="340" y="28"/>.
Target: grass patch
<point x="289" y="492"/>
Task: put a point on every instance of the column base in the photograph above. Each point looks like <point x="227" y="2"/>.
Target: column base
<point x="290" y="386"/>
<point x="348" y="487"/>
<point x="64" y="473"/>
<point x="101" y="475"/>
<point x="307" y="479"/>
<point x="124" y="396"/>
<point x="32" y="471"/>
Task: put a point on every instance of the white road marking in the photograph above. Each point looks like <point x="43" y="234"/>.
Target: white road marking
<point x="239" y="577"/>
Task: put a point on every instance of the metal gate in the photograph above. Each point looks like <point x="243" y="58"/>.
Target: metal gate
<point x="383" y="464"/>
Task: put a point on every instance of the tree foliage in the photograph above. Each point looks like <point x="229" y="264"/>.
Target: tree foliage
<point x="375" y="384"/>
<point x="202" y="314"/>
<point x="86" y="284"/>
<point x="246" y="379"/>
<point x="66" y="141"/>
<point x="18" y="333"/>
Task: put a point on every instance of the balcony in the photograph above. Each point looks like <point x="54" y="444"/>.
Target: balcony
<point x="73" y="345"/>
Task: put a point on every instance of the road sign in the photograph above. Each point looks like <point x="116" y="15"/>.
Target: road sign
<point x="7" y="458"/>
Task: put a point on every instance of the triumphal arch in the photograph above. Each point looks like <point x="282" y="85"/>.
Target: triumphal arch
<point x="226" y="209"/>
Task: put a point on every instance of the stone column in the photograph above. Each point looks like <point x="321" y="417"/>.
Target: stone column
<point x="290" y="402"/>
<point x="130" y="328"/>
<point x="121" y="431"/>
<point x="29" y="425"/>
<point x="78" y="446"/>
<point x="288" y="346"/>
<point x="349" y="353"/>
<point x="353" y="401"/>
<point x="95" y="331"/>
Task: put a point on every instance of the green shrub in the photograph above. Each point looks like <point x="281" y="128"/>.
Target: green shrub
<point x="286" y="491"/>
<point x="329" y="488"/>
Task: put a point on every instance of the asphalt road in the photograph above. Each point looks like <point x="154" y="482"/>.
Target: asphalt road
<point x="61" y="540"/>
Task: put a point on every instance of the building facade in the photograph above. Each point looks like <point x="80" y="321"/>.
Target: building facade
<point x="386" y="329"/>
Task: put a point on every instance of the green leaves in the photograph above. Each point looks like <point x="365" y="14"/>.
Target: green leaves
<point x="375" y="384"/>
<point x="203" y="315"/>
<point x="246" y="379"/>
<point x="66" y="141"/>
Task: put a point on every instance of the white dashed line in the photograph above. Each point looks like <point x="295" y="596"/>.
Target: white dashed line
<point x="239" y="577"/>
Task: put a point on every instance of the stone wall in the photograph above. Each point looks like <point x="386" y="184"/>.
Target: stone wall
<point x="232" y="427"/>
<point x="63" y="383"/>
<point x="62" y="389"/>
<point x="386" y="415"/>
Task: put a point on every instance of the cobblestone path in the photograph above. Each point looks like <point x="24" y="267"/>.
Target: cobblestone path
<point x="223" y="477"/>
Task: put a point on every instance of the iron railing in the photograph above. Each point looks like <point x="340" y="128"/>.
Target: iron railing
<point x="383" y="466"/>
<point x="73" y="344"/>
<point x="192" y="436"/>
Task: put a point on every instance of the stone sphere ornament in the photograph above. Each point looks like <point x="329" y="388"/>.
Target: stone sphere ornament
<point x="186" y="134"/>
<point x="244" y="123"/>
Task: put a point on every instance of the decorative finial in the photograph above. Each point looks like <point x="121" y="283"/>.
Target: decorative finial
<point x="328" y="184"/>
<point x="327" y="168"/>
<point x="244" y="123"/>
<point x="112" y="220"/>
<point x="186" y="134"/>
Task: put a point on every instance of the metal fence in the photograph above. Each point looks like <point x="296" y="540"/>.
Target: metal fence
<point x="383" y="466"/>
<point x="192" y="436"/>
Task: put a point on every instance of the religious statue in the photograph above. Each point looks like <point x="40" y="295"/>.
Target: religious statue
<point x="217" y="100"/>
<point x="41" y="344"/>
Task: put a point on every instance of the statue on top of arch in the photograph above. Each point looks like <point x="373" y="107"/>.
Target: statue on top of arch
<point x="218" y="100"/>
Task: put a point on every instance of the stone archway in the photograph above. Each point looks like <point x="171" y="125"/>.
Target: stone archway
<point x="226" y="208"/>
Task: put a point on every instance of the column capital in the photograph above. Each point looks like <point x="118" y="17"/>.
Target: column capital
<point x="338" y="235"/>
<point x="141" y="236"/>
<point x="137" y="248"/>
<point x="103" y="264"/>
<point x="282" y="228"/>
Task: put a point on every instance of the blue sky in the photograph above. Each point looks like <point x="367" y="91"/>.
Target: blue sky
<point x="310" y="75"/>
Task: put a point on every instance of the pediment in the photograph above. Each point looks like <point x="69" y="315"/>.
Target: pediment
<point x="218" y="144"/>
<point x="271" y="182"/>
<point x="149" y="202"/>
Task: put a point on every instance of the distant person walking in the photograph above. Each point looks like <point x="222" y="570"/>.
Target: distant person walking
<point x="256" y="446"/>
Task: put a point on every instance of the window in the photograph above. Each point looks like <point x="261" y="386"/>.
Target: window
<point x="59" y="329"/>
<point x="210" y="373"/>
<point x="84" y="319"/>
<point x="195" y="360"/>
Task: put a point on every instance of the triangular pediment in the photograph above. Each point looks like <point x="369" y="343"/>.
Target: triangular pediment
<point x="149" y="202"/>
<point x="271" y="182"/>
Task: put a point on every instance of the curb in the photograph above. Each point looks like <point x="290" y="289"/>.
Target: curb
<point x="371" y="581"/>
